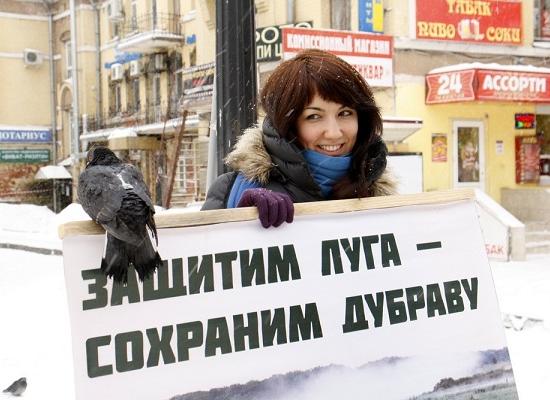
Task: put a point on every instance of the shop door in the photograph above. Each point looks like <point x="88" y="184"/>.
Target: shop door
<point x="468" y="154"/>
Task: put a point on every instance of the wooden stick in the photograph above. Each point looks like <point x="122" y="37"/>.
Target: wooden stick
<point x="177" y="218"/>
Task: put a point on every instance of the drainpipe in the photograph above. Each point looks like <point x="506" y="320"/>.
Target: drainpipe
<point x="99" y="97"/>
<point x="75" y="148"/>
<point x="53" y="97"/>
<point x="290" y="11"/>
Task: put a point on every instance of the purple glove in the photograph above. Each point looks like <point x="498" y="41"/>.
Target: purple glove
<point x="274" y="208"/>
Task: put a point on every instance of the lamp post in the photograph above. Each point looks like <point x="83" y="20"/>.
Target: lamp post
<point x="236" y="80"/>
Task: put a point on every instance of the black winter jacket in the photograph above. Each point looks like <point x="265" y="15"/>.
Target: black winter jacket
<point x="261" y="155"/>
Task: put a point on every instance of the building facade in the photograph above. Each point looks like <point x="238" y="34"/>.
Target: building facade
<point x="140" y="63"/>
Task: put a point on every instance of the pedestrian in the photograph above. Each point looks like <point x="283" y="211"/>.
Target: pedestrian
<point x="320" y="140"/>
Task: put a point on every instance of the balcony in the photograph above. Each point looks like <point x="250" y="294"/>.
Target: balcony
<point x="131" y="116"/>
<point x="151" y="33"/>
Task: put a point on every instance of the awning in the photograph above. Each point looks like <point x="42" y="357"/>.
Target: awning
<point x="397" y="129"/>
<point x="494" y="82"/>
<point x="192" y="122"/>
<point x="52" y="172"/>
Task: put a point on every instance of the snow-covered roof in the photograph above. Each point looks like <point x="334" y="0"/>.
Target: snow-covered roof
<point x="491" y="66"/>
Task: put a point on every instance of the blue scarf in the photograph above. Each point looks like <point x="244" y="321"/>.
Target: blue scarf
<point x="326" y="170"/>
<point x="239" y="186"/>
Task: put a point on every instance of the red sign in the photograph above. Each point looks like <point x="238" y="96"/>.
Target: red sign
<point x="449" y="87"/>
<point x="512" y="86"/>
<point x="480" y="21"/>
<point x="525" y="121"/>
<point x="370" y="54"/>
<point x="484" y="84"/>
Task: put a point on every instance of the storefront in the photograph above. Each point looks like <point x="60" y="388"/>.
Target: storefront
<point x="23" y="150"/>
<point x="490" y="126"/>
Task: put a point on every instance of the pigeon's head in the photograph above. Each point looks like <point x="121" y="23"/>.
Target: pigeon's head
<point x="101" y="156"/>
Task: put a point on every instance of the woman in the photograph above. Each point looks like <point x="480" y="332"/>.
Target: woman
<point x="320" y="140"/>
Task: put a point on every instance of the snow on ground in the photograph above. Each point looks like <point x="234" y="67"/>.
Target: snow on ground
<point x="35" y="338"/>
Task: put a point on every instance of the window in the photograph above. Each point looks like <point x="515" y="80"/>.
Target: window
<point x="542" y="19"/>
<point x="115" y="98"/>
<point x="156" y="89"/>
<point x="68" y="61"/>
<point x="340" y="17"/>
<point x="133" y="16"/>
<point x="133" y="95"/>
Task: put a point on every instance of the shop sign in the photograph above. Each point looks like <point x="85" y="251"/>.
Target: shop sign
<point x="512" y="86"/>
<point x="450" y="87"/>
<point x="371" y="16"/>
<point x="25" y="156"/>
<point x="122" y="58"/>
<point x="524" y="121"/>
<point x="479" y="21"/>
<point x="25" y="136"/>
<point x="198" y="81"/>
<point x="269" y="40"/>
<point x="370" y="54"/>
<point x="483" y="84"/>
<point x="527" y="159"/>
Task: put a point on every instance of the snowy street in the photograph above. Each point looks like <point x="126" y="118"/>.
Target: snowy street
<point x="35" y="339"/>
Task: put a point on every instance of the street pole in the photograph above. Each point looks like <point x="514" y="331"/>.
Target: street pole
<point x="236" y="80"/>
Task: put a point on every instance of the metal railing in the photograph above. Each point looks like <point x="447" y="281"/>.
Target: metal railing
<point x="132" y="115"/>
<point x="159" y="22"/>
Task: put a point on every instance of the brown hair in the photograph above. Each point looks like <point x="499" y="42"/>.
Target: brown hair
<point x="294" y="83"/>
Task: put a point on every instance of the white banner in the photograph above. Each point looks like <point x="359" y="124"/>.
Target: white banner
<point x="388" y="304"/>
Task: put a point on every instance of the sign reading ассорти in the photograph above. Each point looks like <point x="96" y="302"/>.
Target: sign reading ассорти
<point x="240" y="309"/>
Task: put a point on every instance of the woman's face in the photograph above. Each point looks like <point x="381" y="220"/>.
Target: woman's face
<point x="328" y="128"/>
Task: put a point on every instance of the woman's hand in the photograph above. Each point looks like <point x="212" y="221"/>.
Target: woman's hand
<point x="274" y="207"/>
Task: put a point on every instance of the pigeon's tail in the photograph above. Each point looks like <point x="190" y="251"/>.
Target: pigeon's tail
<point x="120" y="255"/>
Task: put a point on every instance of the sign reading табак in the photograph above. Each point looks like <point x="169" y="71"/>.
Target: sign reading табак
<point x="331" y="305"/>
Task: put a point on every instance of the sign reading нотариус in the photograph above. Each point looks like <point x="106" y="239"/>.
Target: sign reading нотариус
<point x="343" y="303"/>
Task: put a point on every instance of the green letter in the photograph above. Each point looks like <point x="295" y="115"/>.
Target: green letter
<point x="376" y="307"/>
<point x="251" y="266"/>
<point x="389" y="250"/>
<point x="270" y="327"/>
<point x="135" y="338"/>
<point x="396" y="309"/>
<point x="355" y="315"/>
<point x="160" y="345"/>
<point x="201" y="276"/>
<point x="226" y="260"/>
<point x="283" y="265"/>
<point x="330" y="250"/>
<point x="452" y="296"/>
<point x="471" y="292"/>
<point x="217" y="336"/>
<point x="434" y="301"/>
<point x="415" y="300"/>
<point x="352" y="251"/>
<point x="129" y="290"/>
<point x="92" y="356"/>
<point x="368" y="241"/>
<point x="241" y="331"/>
<point x="189" y="335"/>
<point x="302" y="325"/>
<point x="97" y="288"/>
<point x="164" y="290"/>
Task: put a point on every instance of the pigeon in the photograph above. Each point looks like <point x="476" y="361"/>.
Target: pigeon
<point x="115" y="196"/>
<point x="18" y="387"/>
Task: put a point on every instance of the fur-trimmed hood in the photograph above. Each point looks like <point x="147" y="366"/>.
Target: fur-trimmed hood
<point x="261" y="154"/>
